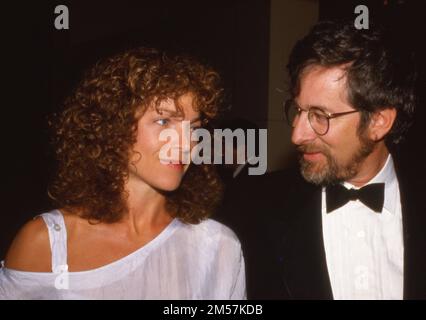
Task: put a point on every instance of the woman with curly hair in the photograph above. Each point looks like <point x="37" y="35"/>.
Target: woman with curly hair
<point x="131" y="223"/>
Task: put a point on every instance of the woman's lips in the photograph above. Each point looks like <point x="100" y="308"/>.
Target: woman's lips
<point x="177" y="166"/>
<point x="174" y="165"/>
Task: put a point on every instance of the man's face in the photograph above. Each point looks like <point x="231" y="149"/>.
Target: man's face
<point x="338" y="155"/>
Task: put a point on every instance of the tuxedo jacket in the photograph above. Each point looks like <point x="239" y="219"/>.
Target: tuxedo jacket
<point x="278" y="220"/>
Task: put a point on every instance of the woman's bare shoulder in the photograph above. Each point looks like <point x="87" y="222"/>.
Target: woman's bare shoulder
<point x="30" y="250"/>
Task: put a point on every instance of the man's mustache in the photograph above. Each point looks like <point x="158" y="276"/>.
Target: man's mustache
<point x="309" y="148"/>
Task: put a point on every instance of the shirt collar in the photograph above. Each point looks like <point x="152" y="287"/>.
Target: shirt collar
<point x="387" y="176"/>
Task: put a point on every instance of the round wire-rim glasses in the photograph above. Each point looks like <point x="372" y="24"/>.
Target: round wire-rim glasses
<point x="319" y="120"/>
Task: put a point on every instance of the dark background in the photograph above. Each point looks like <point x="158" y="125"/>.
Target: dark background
<point x="40" y="65"/>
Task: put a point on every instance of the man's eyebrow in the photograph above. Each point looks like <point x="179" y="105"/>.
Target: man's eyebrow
<point x="323" y="108"/>
<point x="309" y="106"/>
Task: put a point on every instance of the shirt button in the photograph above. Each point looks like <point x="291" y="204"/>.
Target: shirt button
<point x="57" y="227"/>
<point x="361" y="234"/>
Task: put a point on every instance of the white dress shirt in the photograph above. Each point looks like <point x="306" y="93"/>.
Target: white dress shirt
<point x="364" y="249"/>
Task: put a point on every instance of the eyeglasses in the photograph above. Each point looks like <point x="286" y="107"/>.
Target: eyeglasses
<point x="319" y="120"/>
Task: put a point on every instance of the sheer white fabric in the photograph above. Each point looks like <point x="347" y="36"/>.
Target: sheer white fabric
<point x="201" y="261"/>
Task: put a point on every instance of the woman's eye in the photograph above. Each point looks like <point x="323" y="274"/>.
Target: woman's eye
<point x="162" y="122"/>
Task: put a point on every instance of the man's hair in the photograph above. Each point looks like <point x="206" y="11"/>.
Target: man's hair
<point x="378" y="76"/>
<point x="95" y="133"/>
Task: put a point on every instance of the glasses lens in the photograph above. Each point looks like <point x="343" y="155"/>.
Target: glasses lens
<point x="318" y="120"/>
<point x="291" y="112"/>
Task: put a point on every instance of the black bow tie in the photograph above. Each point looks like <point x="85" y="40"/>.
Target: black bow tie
<point x="372" y="195"/>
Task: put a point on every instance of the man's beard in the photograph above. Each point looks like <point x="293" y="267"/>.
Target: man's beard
<point x="333" y="172"/>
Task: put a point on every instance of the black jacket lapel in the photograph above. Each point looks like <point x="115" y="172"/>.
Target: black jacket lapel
<point x="301" y="252"/>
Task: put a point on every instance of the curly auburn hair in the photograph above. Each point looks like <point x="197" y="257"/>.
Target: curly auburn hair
<point x="94" y="134"/>
<point x="379" y="75"/>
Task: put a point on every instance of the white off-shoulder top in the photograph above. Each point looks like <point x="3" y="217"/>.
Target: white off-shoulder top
<point x="185" y="261"/>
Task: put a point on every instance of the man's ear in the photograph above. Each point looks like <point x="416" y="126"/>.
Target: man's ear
<point x="381" y="123"/>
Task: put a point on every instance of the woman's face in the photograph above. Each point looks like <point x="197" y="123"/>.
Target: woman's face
<point x="148" y="164"/>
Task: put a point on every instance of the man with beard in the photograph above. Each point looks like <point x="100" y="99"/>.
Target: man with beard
<point x="351" y="226"/>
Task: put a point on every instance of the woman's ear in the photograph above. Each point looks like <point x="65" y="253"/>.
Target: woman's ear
<point x="381" y="123"/>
